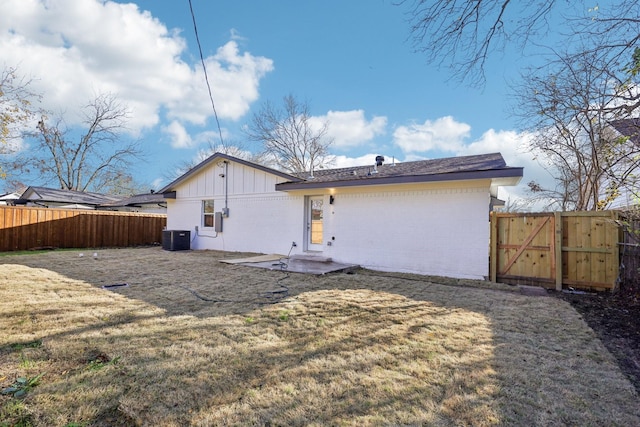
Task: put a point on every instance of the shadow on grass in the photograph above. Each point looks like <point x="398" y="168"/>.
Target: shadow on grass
<point x="206" y="343"/>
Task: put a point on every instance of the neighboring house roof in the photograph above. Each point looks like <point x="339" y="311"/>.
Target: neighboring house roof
<point x="628" y="194"/>
<point x="10" y="196"/>
<point x="76" y="206"/>
<point x="485" y="166"/>
<point x="497" y="203"/>
<point x="54" y="195"/>
<point x="218" y="157"/>
<point x="138" y="200"/>
<point x="628" y="127"/>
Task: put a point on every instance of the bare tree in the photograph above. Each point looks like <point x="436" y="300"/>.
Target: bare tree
<point x="571" y="106"/>
<point x="16" y="109"/>
<point x="289" y="137"/>
<point x="99" y="155"/>
<point x="464" y="33"/>
<point x="120" y="183"/>
<point x="571" y="101"/>
<point x="231" y="148"/>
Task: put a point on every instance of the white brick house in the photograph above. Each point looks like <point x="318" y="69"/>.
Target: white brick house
<point x="427" y="217"/>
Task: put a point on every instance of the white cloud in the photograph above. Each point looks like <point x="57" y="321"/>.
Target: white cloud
<point x="366" y="159"/>
<point x="234" y="79"/>
<point x="157" y="183"/>
<point x="515" y="148"/>
<point x="350" y="128"/>
<point x="74" y="49"/>
<point x="209" y="137"/>
<point x="235" y="35"/>
<point x="178" y="135"/>
<point x="443" y="134"/>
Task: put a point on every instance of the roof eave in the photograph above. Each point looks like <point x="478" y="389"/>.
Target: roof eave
<point x="510" y="176"/>
<point x="217" y="156"/>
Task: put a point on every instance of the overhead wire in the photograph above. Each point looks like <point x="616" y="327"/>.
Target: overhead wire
<point x="204" y="67"/>
<point x="276" y="295"/>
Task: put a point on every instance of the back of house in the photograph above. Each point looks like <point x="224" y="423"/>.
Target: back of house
<point x="427" y="217"/>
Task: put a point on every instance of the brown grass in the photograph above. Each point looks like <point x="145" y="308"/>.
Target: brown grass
<point x="192" y="341"/>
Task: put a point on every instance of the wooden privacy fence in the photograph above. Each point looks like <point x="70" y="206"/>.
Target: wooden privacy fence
<point x="630" y="249"/>
<point x="23" y="228"/>
<point x="556" y="250"/>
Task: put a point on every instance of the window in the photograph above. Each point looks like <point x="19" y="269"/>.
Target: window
<point x="207" y="213"/>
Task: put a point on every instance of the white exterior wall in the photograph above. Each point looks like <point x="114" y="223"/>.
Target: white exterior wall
<point x="438" y="229"/>
<point x="435" y="228"/>
<point x="260" y="219"/>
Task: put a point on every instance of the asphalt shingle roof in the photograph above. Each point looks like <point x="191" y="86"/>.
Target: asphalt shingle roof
<point x="55" y="195"/>
<point x="66" y="196"/>
<point x="138" y="199"/>
<point x="484" y="166"/>
<point x="421" y="167"/>
<point x="464" y="167"/>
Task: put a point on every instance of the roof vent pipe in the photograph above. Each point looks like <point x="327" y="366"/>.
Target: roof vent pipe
<point x="379" y="160"/>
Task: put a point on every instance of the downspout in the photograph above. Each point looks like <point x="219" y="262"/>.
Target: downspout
<point x="226" y="189"/>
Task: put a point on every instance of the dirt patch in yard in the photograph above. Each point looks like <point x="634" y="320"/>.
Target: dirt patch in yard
<point x="616" y="320"/>
<point x="192" y="341"/>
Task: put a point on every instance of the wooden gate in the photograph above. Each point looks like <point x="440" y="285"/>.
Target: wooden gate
<point x="555" y="250"/>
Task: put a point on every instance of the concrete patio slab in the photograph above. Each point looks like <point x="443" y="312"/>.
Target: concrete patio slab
<point x="306" y="266"/>
<point x="258" y="258"/>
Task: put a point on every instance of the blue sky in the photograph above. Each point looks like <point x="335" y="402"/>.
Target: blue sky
<point x="351" y="60"/>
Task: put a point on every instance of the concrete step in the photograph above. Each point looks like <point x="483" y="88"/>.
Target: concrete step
<point x="310" y="257"/>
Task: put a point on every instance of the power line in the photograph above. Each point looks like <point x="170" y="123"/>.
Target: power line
<point x="206" y="77"/>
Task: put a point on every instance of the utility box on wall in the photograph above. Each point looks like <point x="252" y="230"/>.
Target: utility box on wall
<point x="176" y="240"/>
<point x="217" y="221"/>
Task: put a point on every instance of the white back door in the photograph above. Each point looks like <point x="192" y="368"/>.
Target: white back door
<point x="314" y="215"/>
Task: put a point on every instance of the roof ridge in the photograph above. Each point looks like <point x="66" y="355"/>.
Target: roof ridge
<point x="323" y="171"/>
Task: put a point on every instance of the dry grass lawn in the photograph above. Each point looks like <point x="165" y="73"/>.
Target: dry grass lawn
<point x="192" y="341"/>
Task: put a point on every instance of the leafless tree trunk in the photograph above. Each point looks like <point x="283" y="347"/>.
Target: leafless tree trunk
<point x="99" y="155"/>
<point x="571" y="107"/>
<point x="289" y="137"/>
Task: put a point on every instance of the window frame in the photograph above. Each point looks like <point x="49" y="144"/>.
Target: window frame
<point x="208" y="216"/>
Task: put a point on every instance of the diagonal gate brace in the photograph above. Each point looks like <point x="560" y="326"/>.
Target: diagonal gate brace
<point x="524" y="245"/>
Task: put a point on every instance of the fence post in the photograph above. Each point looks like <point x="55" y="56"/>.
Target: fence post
<point x="615" y="217"/>
<point x="493" y="247"/>
<point x="557" y="217"/>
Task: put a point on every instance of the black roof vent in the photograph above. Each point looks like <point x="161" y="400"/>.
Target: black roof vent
<point x="379" y="160"/>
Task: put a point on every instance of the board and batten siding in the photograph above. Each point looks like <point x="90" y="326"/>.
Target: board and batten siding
<point x="242" y="180"/>
<point x="261" y="219"/>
